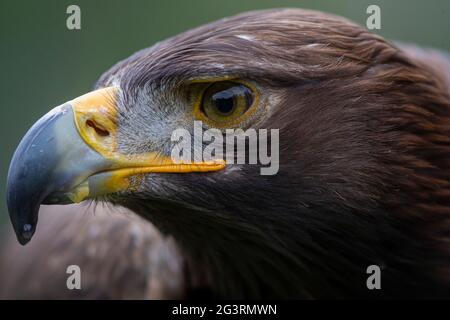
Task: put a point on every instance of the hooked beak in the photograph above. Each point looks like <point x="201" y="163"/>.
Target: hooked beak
<point x="70" y="155"/>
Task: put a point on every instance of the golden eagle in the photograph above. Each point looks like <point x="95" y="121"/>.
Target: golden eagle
<point x="364" y="176"/>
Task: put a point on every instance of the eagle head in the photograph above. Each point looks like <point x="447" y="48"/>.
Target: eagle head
<point x="363" y="141"/>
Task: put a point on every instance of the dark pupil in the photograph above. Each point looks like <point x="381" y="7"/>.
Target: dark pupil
<point x="224" y="101"/>
<point x="224" y="105"/>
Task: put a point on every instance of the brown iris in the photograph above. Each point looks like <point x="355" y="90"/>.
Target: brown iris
<point x="226" y="101"/>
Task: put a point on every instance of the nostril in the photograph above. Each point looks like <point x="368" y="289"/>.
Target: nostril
<point x="98" y="129"/>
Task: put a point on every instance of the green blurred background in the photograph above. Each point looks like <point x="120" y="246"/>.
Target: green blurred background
<point x="43" y="64"/>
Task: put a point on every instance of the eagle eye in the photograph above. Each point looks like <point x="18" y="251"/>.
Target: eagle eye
<point x="226" y="101"/>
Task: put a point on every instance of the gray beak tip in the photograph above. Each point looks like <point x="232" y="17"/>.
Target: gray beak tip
<point x="25" y="234"/>
<point x="23" y="218"/>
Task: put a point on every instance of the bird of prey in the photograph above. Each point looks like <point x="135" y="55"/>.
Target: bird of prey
<point x="364" y="169"/>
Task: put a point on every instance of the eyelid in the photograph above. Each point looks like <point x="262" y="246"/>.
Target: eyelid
<point x="210" y="80"/>
<point x="229" y="123"/>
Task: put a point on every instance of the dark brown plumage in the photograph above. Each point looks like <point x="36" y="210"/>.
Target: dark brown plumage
<point x="364" y="172"/>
